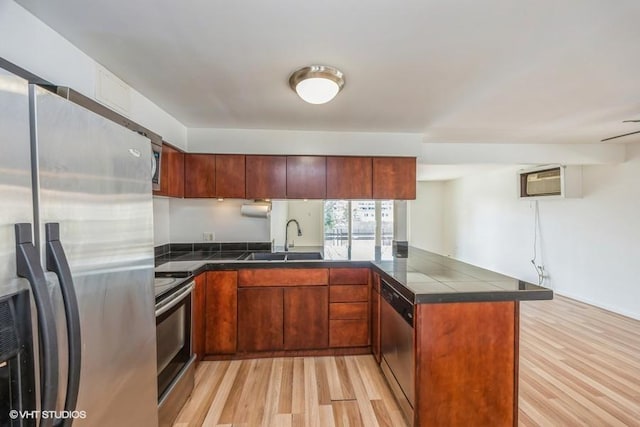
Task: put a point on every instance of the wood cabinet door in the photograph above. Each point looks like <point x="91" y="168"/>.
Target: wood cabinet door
<point x="198" y="312"/>
<point x="260" y="319"/>
<point x="176" y="174"/>
<point x="394" y="178"/>
<point x="230" y="176"/>
<point x="171" y="173"/>
<point x="266" y="177"/>
<point x="306" y="320"/>
<point x="199" y="175"/>
<point x="221" y="311"/>
<point x="349" y="177"/>
<point x="306" y="177"/>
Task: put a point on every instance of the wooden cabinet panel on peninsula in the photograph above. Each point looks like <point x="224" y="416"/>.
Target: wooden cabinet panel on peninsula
<point x="349" y="177"/>
<point x="394" y="178"/>
<point x="200" y="175"/>
<point x="306" y="177"/>
<point x="171" y="173"/>
<point x="266" y="177"/>
<point x="221" y="305"/>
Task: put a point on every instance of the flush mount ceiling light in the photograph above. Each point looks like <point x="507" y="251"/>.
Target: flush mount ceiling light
<point x="317" y="84"/>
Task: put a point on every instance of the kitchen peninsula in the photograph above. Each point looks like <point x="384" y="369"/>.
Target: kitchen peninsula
<point x="463" y="341"/>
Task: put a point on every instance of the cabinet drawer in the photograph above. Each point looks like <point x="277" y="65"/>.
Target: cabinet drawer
<point x="348" y="310"/>
<point x="349" y="293"/>
<point x="283" y="277"/>
<point x="349" y="276"/>
<point x="348" y="333"/>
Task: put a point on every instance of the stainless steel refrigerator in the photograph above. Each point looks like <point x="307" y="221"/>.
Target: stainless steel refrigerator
<point x="79" y="185"/>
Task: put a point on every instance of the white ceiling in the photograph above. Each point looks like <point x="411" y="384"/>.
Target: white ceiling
<point x="455" y="70"/>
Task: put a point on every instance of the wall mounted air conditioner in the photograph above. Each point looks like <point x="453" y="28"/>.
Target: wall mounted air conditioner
<point x="550" y="182"/>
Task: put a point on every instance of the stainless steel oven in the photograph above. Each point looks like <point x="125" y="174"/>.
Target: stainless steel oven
<point x="174" y="352"/>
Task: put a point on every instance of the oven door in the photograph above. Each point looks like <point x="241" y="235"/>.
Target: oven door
<point x="173" y="334"/>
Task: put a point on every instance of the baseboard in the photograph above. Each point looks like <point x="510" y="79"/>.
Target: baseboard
<point x="616" y="310"/>
<point x="346" y="351"/>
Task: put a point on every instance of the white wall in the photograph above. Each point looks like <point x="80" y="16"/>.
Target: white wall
<point x="29" y="43"/>
<point x="589" y="246"/>
<point x="310" y="215"/>
<point x="161" y="221"/>
<point x="192" y="217"/>
<point x="261" y="141"/>
<point x="279" y="217"/>
<point x="426" y="217"/>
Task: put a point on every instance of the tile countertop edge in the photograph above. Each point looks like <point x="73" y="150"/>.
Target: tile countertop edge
<point x="197" y="267"/>
<point x="477" y="296"/>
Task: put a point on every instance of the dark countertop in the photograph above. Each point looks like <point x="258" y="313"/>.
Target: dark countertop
<point x="422" y="277"/>
<point x="426" y="277"/>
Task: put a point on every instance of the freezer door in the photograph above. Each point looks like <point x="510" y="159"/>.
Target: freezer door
<point x="15" y="175"/>
<point x="95" y="181"/>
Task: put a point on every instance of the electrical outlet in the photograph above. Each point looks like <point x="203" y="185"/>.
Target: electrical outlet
<point x="208" y="236"/>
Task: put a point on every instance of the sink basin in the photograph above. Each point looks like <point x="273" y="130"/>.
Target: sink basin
<point x="283" y="256"/>
<point x="300" y="256"/>
<point x="265" y="256"/>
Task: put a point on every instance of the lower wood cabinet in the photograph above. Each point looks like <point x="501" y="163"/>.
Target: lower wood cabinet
<point x="306" y="320"/>
<point x="260" y="319"/>
<point x="349" y="311"/>
<point x="375" y="317"/>
<point x="221" y="306"/>
<point x="198" y="315"/>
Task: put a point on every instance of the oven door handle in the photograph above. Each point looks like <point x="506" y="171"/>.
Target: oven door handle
<point x="168" y="305"/>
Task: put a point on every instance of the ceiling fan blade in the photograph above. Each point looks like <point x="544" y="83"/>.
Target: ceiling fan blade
<point x="631" y="121"/>
<point x="619" y="136"/>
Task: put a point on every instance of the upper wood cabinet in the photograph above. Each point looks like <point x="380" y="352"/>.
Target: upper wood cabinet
<point x="266" y="177"/>
<point x="394" y="178"/>
<point x="306" y="177"/>
<point x="279" y="177"/>
<point x="230" y="176"/>
<point x="200" y="175"/>
<point x="171" y="173"/>
<point x="349" y="177"/>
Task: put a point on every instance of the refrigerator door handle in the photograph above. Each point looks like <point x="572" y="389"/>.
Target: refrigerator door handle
<point x="57" y="263"/>
<point x="28" y="266"/>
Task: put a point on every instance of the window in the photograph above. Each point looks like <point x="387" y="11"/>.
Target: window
<point x="358" y="229"/>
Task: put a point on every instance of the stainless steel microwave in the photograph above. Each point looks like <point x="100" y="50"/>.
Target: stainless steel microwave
<point x="156" y="165"/>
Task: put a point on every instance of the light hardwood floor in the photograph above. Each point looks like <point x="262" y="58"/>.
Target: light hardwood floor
<point x="579" y="365"/>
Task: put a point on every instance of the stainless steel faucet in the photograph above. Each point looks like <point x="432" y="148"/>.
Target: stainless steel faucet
<point x="286" y="233"/>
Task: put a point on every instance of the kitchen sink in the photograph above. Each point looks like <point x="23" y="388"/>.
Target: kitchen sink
<point x="300" y="256"/>
<point x="283" y="256"/>
<point x="265" y="256"/>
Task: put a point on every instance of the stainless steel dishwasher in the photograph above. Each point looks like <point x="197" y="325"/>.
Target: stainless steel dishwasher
<point x="397" y="346"/>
